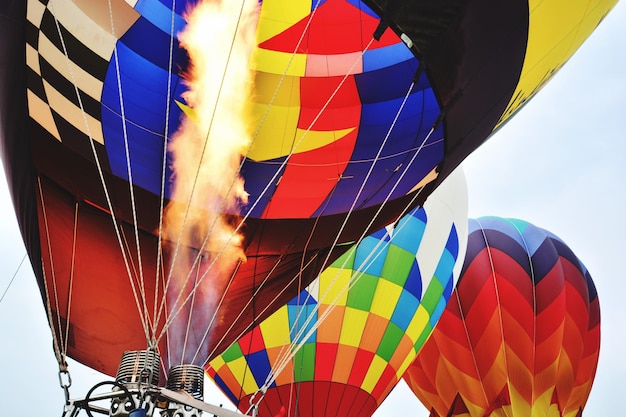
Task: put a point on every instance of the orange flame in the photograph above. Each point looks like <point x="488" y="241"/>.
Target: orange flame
<point x="206" y="153"/>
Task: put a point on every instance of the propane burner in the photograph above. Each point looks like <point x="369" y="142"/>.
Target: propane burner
<point x="188" y="378"/>
<point x="139" y="366"/>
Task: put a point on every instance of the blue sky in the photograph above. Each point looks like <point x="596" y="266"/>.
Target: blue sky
<point x="560" y="164"/>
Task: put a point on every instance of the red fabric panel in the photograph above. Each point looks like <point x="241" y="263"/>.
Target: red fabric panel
<point x="309" y="177"/>
<point x="363" y="359"/>
<point x="325" y="355"/>
<point x="337" y="28"/>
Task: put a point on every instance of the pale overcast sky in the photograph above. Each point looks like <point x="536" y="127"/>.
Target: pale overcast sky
<point x="559" y="164"/>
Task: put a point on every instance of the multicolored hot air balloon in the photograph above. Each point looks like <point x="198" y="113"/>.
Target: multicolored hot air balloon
<point x="521" y="333"/>
<point x="354" y="112"/>
<point x="357" y="327"/>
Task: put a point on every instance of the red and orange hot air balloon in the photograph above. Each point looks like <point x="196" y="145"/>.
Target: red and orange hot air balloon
<point x="521" y="333"/>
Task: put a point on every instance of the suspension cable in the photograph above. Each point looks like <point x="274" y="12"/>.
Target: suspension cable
<point x="197" y="175"/>
<point x="241" y="223"/>
<point x="13" y="277"/>
<point x="129" y="171"/>
<point x="99" y="168"/>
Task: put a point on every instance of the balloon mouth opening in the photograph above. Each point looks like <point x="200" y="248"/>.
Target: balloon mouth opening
<point x="139" y="367"/>
<point x="188" y="378"/>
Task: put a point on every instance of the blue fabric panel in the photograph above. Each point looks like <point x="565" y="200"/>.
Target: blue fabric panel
<point x="405" y="310"/>
<point x="256" y="177"/>
<point x="443" y="272"/>
<point x="298" y="316"/>
<point x="370" y="256"/>
<point x="410" y="231"/>
<point x="260" y="365"/>
<point x="144" y="33"/>
<point x="179" y="5"/>
<point x="436" y="314"/>
<point x="363" y="7"/>
<point x="413" y="282"/>
<point x="396" y="79"/>
<point x="160" y="14"/>
<point x="374" y="59"/>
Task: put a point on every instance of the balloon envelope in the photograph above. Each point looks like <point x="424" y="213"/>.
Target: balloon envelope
<point x="346" y="135"/>
<point x="521" y="333"/>
<point x="360" y="323"/>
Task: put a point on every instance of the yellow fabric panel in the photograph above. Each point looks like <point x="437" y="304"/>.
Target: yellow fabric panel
<point x="352" y="328"/>
<point x="276" y="62"/>
<point x="278" y="128"/>
<point x="217" y="363"/>
<point x="373" y="373"/>
<point x="418" y="323"/>
<point x="278" y="15"/>
<point x="335" y="282"/>
<point x="543" y="402"/>
<point x="239" y="367"/>
<point x="519" y="405"/>
<point x="275" y="329"/>
<point x="276" y="109"/>
<point x="276" y="90"/>
<point x="385" y="298"/>
<point x="556" y="30"/>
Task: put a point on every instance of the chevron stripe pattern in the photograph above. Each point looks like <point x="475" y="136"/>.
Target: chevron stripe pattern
<point x="521" y="333"/>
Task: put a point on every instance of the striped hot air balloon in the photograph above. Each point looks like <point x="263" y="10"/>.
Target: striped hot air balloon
<point x="521" y="333"/>
<point x="359" y="325"/>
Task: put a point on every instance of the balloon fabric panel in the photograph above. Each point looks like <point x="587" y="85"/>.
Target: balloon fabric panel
<point x="374" y="330"/>
<point x="78" y="119"/>
<point x="517" y="332"/>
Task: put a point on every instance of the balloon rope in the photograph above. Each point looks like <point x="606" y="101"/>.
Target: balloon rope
<point x="71" y="283"/>
<point x="99" y="167"/>
<point x="4" y="293"/>
<point x="56" y="343"/>
<point x="532" y="276"/>
<point x="281" y="80"/>
<point x="258" y="129"/>
<point x="354" y="202"/>
<point x="191" y="306"/>
<point x="296" y="346"/>
<point x="254" y="137"/>
<point x="159" y="259"/>
<point x="188" y="206"/>
<point x="269" y="183"/>
<point x="467" y="333"/>
<point x="129" y="170"/>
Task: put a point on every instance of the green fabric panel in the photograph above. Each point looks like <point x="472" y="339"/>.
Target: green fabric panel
<point x="432" y="295"/>
<point x="361" y="295"/>
<point x="390" y="341"/>
<point x="304" y="363"/>
<point x="397" y="265"/>
<point x="232" y="353"/>
<point x="428" y="330"/>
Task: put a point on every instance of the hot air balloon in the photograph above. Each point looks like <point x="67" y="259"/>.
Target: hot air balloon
<point x="521" y="333"/>
<point x="354" y="112"/>
<point x="341" y="345"/>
